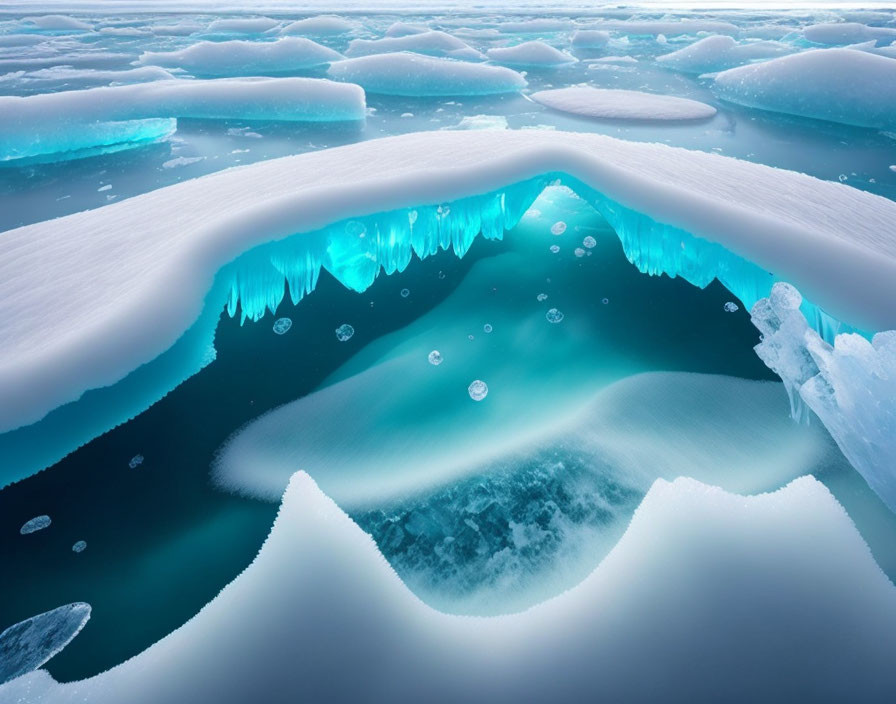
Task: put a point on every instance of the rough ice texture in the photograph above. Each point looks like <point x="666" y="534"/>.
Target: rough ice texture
<point x="320" y="26"/>
<point x="417" y="75"/>
<point x="54" y="23"/>
<point x="140" y="74"/>
<point x="242" y="25"/>
<point x="669" y="28"/>
<point x="720" y="52"/>
<point x="759" y="591"/>
<point x="535" y="26"/>
<point x="850" y="385"/>
<point x="430" y="43"/>
<point x="622" y="104"/>
<point x="402" y="29"/>
<point x="115" y="313"/>
<point x="57" y="122"/>
<point x="532" y="53"/>
<point x="27" y="645"/>
<point x="840" y="85"/>
<point x="847" y="33"/>
<point x="590" y="39"/>
<point x="245" y="58"/>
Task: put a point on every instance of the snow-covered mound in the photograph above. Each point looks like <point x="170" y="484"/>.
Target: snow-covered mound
<point x="720" y="52"/>
<point x="59" y="122"/>
<point x="622" y="104"/>
<point x="87" y="76"/>
<point x="840" y="85"/>
<point x="532" y="53"/>
<point x="244" y="57"/>
<point x="590" y="39"/>
<point x="430" y="43"/>
<point x="28" y="644"/>
<point x="113" y="314"/>
<point x="402" y="29"/>
<point x="539" y="26"/>
<point x="847" y="33"/>
<point x="850" y="385"/>
<point x="668" y="28"/>
<point x="417" y="75"/>
<point x="748" y="587"/>
<point x="58" y="23"/>
<point x="321" y="26"/>
<point x="242" y="25"/>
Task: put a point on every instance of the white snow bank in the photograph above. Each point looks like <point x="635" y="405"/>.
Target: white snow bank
<point x="114" y="313"/>
<point x="846" y="33"/>
<point x="590" y="39"/>
<point x="402" y="29"/>
<point x="622" y="104"/>
<point x="532" y="53"/>
<point x="57" y="122"/>
<point x="245" y="25"/>
<point x="431" y="43"/>
<point x="321" y="26"/>
<point x="669" y="28"/>
<point x="840" y="85"/>
<point x="418" y="75"/>
<point x="758" y="592"/>
<point x="720" y="52"/>
<point x="54" y="23"/>
<point x="244" y="57"/>
<point x="850" y="385"/>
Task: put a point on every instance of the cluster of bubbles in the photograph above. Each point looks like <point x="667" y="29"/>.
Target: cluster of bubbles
<point x="344" y="332"/>
<point x="435" y="358"/>
<point x="136" y="461"/>
<point x="558" y="228"/>
<point x="282" y="325"/>
<point x="405" y="292"/>
<point x="731" y="307"/>
<point x="554" y="315"/>
<point x="478" y="390"/>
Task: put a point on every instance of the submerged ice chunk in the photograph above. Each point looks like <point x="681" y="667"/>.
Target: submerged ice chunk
<point x="35" y="524"/>
<point x="282" y="325"/>
<point x="589" y="242"/>
<point x="731" y="307"/>
<point x="417" y="75"/>
<point x="344" y="332"/>
<point x="136" y="461"/>
<point x="29" y="644"/>
<point x="558" y="228"/>
<point x="478" y="390"/>
<point x="435" y="358"/>
<point x="553" y="315"/>
<point x="622" y="104"/>
<point x="79" y="546"/>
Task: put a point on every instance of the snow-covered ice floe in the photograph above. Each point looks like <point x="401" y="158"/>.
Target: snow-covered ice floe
<point x="834" y="33"/>
<point x="744" y="586"/>
<point x="68" y="121"/>
<point x="430" y="43"/>
<point x="245" y="58"/>
<point x="668" y="28"/>
<point x="622" y="104"/>
<point x="242" y="25"/>
<point x="409" y="74"/>
<point x="590" y="39"/>
<point x="531" y="54"/>
<point x="320" y="26"/>
<point x="840" y="85"/>
<point x="692" y="214"/>
<point x="720" y="52"/>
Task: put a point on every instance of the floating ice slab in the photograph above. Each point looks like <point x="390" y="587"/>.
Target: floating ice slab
<point x="846" y="33"/>
<point x="417" y="75"/>
<point x="242" y="25"/>
<point x="535" y="26"/>
<point x="840" y="85"/>
<point x="89" y="76"/>
<point x="116" y="313"/>
<point x="245" y="58"/>
<point x="59" y="122"/>
<point x="720" y="52"/>
<point x="749" y="587"/>
<point x="590" y="39"/>
<point x="532" y="53"/>
<point x="402" y="29"/>
<point x="430" y="43"/>
<point x="622" y="104"/>
<point x="321" y="26"/>
<point x="53" y="23"/>
<point x="673" y="28"/>
<point x="29" y="644"/>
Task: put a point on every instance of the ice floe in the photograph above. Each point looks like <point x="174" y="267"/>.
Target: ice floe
<point x="720" y="52"/>
<point x="791" y="561"/>
<point x="245" y="58"/>
<point x="847" y="33"/>
<point x="430" y="43"/>
<point x="242" y="25"/>
<point x="53" y="23"/>
<point x="669" y="28"/>
<point x="590" y="39"/>
<point x="840" y="85"/>
<point x="533" y="53"/>
<point x="622" y="104"/>
<point x="412" y="74"/>
<point x="320" y="26"/>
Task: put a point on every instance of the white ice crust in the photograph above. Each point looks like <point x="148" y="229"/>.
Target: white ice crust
<point x="534" y="53"/>
<point x="707" y="597"/>
<point x="719" y="52"/>
<point x="431" y="43"/>
<point x="125" y="281"/>
<point x="622" y="104"/>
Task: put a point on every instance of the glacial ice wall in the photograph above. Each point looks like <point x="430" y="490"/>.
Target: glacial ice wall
<point x="849" y="384"/>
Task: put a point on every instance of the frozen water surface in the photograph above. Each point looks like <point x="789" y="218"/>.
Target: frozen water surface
<point x="638" y="455"/>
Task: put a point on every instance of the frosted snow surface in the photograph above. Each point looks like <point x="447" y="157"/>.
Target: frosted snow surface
<point x="830" y="240"/>
<point x="430" y="43"/>
<point x="590" y="39"/>
<point x="850" y="385"/>
<point x="846" y="33"/>
<point x="410" y="74"/>
<point x="720" y="52"/>
<point x="69" y="120"/>
<point x="622" y="104"/>
<point x="27" y="645"/>
<point x="748" y="587"/>
<point x="242" y="25"/>
<point x="840" y="85"/>
<point x="245" y="58"/>
<point x="320" y="26"/>
<point x="58" y="22"/>
<point x="534" y="53"/>
<point x="672" y="28"/>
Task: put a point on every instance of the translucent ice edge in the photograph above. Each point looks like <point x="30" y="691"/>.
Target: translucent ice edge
<point x="355" y="251"/>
